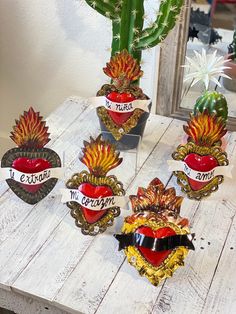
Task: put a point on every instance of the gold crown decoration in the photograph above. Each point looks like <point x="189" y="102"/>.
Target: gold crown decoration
<point x="156" y="198"/>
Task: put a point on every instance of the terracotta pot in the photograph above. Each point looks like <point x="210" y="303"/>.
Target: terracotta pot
<point x="230" y="84"/>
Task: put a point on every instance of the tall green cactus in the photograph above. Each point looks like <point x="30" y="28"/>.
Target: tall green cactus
<point x="128" y="20"/>
<point x="232" y="46"/>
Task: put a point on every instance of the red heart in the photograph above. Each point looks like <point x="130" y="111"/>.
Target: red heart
<point x="28" y="165"/>
<point x="94" y="191"/>
<point x="155" y="258"/>
<point x="117" y="117"/>
<point x="200" y="163"/>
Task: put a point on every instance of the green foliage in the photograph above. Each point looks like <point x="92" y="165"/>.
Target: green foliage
<point x="128" y="20"/>
<point x="214" y="102"/>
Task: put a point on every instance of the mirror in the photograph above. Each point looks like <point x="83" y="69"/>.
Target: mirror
<point x="211" y="27"/>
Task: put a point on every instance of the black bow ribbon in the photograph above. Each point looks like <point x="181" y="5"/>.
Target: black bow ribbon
<point x="155" y="244"/>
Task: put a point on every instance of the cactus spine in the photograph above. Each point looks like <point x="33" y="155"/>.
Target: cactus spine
<point x="128" y="20"/>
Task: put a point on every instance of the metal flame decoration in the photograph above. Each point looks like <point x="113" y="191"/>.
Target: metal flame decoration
<point x="100" y="156"/>
<point x="30" y="130"/>
<point x="205" y="129"/>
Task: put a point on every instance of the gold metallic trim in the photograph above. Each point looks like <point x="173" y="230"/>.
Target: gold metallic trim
<point x="118" y="131"/>
<point x="175" y="259"/>
<point x="182" y="151"/>
<point x="105" y="221"/>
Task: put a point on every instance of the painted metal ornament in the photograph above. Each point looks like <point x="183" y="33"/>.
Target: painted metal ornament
<point x="31" y="161"/>
<point x="97" y="207"/>
<point x="155" y="238"/>
<point x="124" y="71"/>
<point x="202" y="157"/>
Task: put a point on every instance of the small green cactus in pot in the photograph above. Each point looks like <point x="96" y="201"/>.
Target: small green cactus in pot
<point x="214" y="102"/>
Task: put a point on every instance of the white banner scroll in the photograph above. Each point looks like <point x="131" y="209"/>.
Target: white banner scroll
<point x="178" y="165"/>
<point x="31" y="178"/>
<point x="93" y="203"/>
<point x="120" y="107"/>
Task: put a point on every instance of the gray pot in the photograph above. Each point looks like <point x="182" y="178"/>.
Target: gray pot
<point x="229" y="84"/>
<point x="231" y="72"/>
<point x="127" y="142"/>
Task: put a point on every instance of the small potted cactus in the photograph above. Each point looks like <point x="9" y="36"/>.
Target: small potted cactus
<point x="206" y="68"/>
<point x="155" y="238"/>
<point x="230" y="84"/>
<point x="117" y="111"/>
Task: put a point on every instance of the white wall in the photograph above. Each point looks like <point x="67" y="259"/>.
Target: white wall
<point x="52" y="49"/>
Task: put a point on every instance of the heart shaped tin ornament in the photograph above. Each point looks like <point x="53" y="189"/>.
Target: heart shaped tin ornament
<point x="155" y="238"/>
<point x="202" y="159"/>
<point x="31" y="170"/>
<point x="125" y="102"/>
<point x="93" y="197"/>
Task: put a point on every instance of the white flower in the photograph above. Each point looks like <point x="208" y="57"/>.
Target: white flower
<point x="205" y="67"/>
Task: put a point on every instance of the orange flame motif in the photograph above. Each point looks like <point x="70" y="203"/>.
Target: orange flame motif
<point x="100" y="156"/>
<point x="124" y="66"/>
<point x="30" y="131"/>
<point x="205" y="129"/>
<point x="156" y="198"/>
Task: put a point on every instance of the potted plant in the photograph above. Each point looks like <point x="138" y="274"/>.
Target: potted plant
<point x="230" y="84"/>
<point x="130" y="38"/>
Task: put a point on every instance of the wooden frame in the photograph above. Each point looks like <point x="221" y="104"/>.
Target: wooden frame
<point x="170" y="78"/>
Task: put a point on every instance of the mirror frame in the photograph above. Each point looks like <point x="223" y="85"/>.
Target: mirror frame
<point x="170" y="78"/>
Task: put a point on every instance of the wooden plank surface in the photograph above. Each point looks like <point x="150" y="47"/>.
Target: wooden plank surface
<point x="79" y="292"/>
<point x="12" y="210"/>
<point x="56" y="242"/>
<point x="44" y="257"/>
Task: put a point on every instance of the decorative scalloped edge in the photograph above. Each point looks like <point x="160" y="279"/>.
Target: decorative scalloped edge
<point x="108" y="219"/>
<point x="175" y="259"/>
<point x="182" y="151"/>
<point x="47" y="187"/>
<point x="118" y="131"/>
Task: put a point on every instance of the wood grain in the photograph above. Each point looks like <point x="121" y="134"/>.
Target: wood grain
<point x="113" y="277"/>
<point x="82" y="252"/>
<point x="47" y="262"/>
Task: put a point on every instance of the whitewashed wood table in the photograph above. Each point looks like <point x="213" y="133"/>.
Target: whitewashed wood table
<point x="48" y="266"/>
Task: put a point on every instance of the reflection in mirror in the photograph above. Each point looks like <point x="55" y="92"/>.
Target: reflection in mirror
<point x="211" y="27"/>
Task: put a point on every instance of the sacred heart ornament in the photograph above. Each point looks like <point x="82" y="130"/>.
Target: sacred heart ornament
<point x="124" y="101"/>
<point x="201" y="162"/>
<point x="155" y="238"/>
<point x="31" y="170"/>
<point x="93" y="197"/>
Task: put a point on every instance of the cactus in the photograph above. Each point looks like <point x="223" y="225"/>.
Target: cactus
<point x="232" y="46"/>
<point x="214" y="103"/>
<point x="128" y="23"/>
